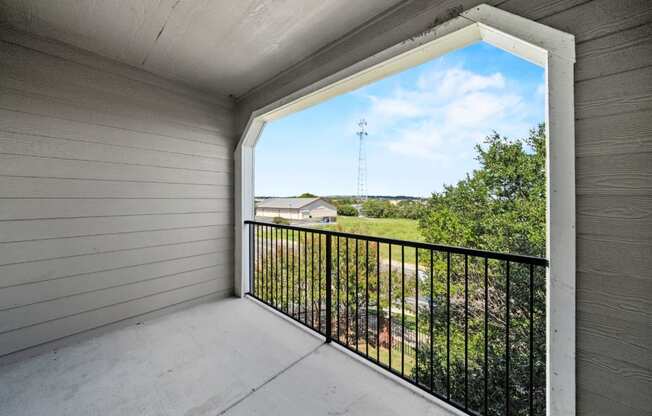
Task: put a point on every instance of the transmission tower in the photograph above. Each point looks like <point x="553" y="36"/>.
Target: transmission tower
<point x="362" y="162"/>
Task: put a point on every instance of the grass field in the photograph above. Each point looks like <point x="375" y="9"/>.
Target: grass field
<point x="398" y="228"/>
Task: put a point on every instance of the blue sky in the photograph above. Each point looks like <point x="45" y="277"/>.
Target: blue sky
<point x="423" y="124"/>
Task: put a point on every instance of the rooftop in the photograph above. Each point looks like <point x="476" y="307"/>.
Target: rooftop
<point x="291" y="203"/>
<point x="230" y="357"/>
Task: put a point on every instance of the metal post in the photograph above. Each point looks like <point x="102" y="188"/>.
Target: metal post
<point x="329" y="263"/>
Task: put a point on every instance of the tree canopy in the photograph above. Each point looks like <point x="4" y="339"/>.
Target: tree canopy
<point x="501" y="206"/>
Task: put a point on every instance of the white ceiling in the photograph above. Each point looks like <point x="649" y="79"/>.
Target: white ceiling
<point x="225" y="46"/>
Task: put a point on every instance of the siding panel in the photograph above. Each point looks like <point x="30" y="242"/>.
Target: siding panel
<point x="116" y="194"/>
<point x="35" y="208"/>
<point x="38" y="166"/>
<point x="627" y="92"/>
<point x="61" y="227"/>
<point x="35" y="313"/>
<point x="63" y="148"/>
<point x="40" y="125"/>
<point x="21" y="295"/>
<point x="622" y="51"/>
<point x="76" y="246"/>
<point x="71" y="325"/>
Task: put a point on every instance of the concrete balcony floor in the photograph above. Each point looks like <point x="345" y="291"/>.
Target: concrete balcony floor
<point x="231" y="357"/>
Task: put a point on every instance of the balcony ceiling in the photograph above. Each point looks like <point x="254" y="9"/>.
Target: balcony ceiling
<point x="223" y="46"/>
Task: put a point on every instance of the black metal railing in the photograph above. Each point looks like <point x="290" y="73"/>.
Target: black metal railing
<point x="465" y="325"/>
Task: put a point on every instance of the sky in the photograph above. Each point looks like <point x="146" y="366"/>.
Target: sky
<point x="422" y="124"/>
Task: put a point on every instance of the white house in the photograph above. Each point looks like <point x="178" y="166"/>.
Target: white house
<point x="315" y="209"/>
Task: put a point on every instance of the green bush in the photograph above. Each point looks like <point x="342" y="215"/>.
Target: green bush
<point x="347" y="211"/>
<point x="281" y="221"/>
<point x="376" y="208"/>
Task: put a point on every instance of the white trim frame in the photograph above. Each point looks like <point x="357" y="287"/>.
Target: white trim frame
<point x="544" y="46"/>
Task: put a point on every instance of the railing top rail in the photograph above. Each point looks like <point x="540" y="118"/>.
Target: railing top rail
<point x="520" y="258"/>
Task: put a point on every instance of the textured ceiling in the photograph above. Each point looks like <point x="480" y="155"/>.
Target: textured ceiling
<point x="225" y="46"/>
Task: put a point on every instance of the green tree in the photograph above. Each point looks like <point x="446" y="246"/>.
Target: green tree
<point x="409" y="208"/>
<point x="307" y="195"/>
<point x="501" y="206"/>
<point x="498" y="207"/>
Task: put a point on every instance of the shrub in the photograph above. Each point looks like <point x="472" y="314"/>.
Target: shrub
<point x="281" y="221"/>
<point x="376" y="208"/>
<point x="347" y="211"/>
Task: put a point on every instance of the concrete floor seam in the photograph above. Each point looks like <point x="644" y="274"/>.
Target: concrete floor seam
<point x="269" y="380"/>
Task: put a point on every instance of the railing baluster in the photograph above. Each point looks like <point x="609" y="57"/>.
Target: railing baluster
<point x="338" y="289"/>
<point x="466" y="331"/>
<point x="272" y="256"/>
<point x="253" y="252"/>
<point x="531" y="346"/>
<point x="432" y="317"/>
<point x="312" y="279"/>
<point x="329" y="289"/>
<point x="416" y="309"/>
<point x="287" y="271"/>
<point x="293" y="271"/>
<point x="252" y="257"/>
<point x="346" y="265"/>
<point x="366" y="285"/>
<point x="389" y="323"/>
<point x="448" y="326"/>
<point x="402" y="310"/>
<point x="266" y="265"/>
<point x="271" y="264"/>
<point x="283" y="272"/>
<point x="279" y="279"/>
<point x="261" y="257"/>
<point x="259" y="242"/>
<point x="486" y="335"/>
<point x="276" y="258"/>
<point x="305" y="276"/>
<point x="507" y="343"/>
<point x="356" y="302"/>
<point x="320" y="281"/>
<point x="378" y="302"/>
<point x="299" y="275"/>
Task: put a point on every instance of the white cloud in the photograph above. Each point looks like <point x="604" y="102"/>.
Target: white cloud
<point x="445" y="110"/>
<point x="541" y="89"/>
<point x="395" y="107"/>
<point x="457" y="81"/>
<point x="474" y="108"/>
<point x="422" y="141"/>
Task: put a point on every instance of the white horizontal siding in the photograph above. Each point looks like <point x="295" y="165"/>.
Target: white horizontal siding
<point x="116" y="193"/>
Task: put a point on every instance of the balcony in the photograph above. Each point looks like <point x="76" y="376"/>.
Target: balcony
<point x="334" y="323"/>
<point x="232" y="357"/>
<point x="127" y="143"/>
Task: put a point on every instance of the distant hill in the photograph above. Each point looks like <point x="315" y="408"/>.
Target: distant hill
<point x="387" y="197"/>
<point x="383" y="197"/>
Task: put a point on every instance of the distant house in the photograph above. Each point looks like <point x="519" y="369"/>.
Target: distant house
<point x="297" y="209"/>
